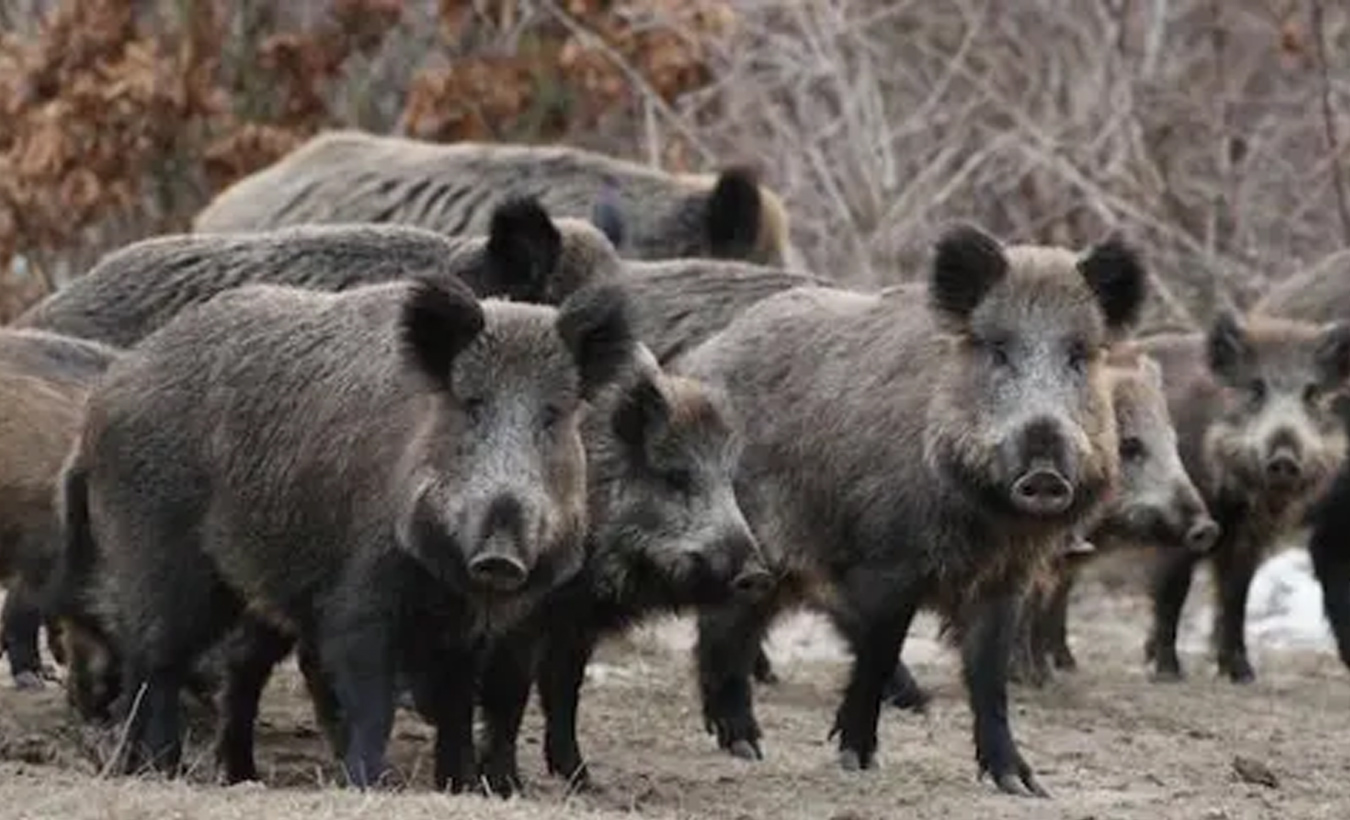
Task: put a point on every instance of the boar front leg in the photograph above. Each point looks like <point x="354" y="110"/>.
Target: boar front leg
<point x="875" y="638"/>
<point x="985" y="651"/>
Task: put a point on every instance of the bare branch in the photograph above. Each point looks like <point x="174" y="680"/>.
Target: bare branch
<point x="1329" y="117"/>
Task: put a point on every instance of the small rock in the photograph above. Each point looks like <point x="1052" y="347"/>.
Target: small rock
<point x="1255" y="772"/>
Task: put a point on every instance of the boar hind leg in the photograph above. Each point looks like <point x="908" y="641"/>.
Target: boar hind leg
<point x="1234" y="570"/>
<point x="1027" y="662"/>
<point x="1171" y="585"/>
<point x="326" y="711"/>
<point x="254" y="652"/>
<point x="728" y="638"/>
<point x="875" y="640"/>
<point x="22" y="623"/>
<point x="505" y="693"/>
<point x="985" y="651"/>
<point x="763" y="670"/>
<point x="562" y="671"/>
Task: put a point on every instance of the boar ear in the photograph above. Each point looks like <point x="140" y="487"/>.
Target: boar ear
<point x="1333" y="353"/>
<point x="967" y="262"/>
<point x="642" y="407"/>
<point x="607" y="215"/>
<point x="439" y="320"/>
<point x="523" y="248"/>
<point x="1227" y="347"/>
<point x="1117" y="277"/>
<point x="596" y="323"/>
<point x="733" y="216"/>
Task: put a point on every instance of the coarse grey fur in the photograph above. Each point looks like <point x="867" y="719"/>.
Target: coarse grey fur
<point x="44" y="382"/>
<point x="350" y="176"/>
<point x="1254" y="402"/>
<point x="681" y="303"/>
<point x="900" y="454"/>
<point x="392" y="475"/>
<point x="135" y="290"/>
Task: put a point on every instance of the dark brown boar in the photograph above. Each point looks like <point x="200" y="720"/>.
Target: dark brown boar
<point x="390" y="474"/>
<point x="666" y="534"/>
<point x="131" y="292"/>
<point x="902" y="455"/>
<point x="1253" y="401"/>
<point x="44" y="381"/>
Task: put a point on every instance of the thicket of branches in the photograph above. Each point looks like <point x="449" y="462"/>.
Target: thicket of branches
<point x="1213" y="132"/>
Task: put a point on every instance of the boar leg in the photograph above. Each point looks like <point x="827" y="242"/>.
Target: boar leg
<point x="562" y="671"/>
<point x="985" y="651"/>
<point x="443" y="689"/>
<point x="326" y="712"/>
<point x="1234" y="569"/>
<point x="1329" y="548"/>
<point x="728" y="638"/>
<point x="505" y="693"/>
<point x="1171" y="585"/>
<point x="903" y="691"/>
<point x="875" y="638"/>
<point x="254" y="652"/>
<point x="1055" y="622"/>
<point x="1027" y="663"/>
<point x="357" y="653"/>
<point x="22" y="623"/>
<point x="763" y="670"/>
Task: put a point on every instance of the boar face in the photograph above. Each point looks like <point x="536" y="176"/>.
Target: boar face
<point x="496" y="494"/>
<point x="1023" y="419"/>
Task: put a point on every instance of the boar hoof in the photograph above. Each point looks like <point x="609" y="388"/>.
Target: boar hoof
<point x="910" y="697"/>
<point x="1064" y="660"/>
<point x="852" y="760"/>
<point x="745" y="750"/>
<point x="28" y="681"/>
<point x="1238" y="670"/>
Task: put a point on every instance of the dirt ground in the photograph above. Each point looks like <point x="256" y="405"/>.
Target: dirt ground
<point x="1106" y="742"/>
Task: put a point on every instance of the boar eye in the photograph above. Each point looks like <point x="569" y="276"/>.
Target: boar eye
<point x="998" y="351"/>
<point x="552" y="415"/>
<point x="1078" y="355"/>
<point x="1257" y="389"/>
<point x="679" y="479"/>
<point x="1312" y="393"/>
<point x="1132" y="449"/>
<point x="474" y="406"/>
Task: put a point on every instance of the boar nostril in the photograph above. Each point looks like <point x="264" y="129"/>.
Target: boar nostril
<point x="753" y="583"/>
<point x="1043" y="492"/>
<point x="1202" y="535"/>
<point x="498" y="572"/>
<point x="1283" y="468"/>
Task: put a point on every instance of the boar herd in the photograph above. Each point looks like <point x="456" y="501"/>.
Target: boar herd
<point x="440" y="419"/>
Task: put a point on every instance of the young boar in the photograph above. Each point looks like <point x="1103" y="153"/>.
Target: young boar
<point x="44" y="381"/>
<point x="392" y="475"/>
<point x="349" y="176"/>
<point x="1253" y="401"/>
<point x="900" y="456"/>
<point x="666" y="533"/>
<point x="133" y="291"/>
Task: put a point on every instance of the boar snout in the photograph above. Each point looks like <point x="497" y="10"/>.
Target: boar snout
<point x="1041" y="486"/>
<point x="1202" y="535"/>
<point x="501" y="562"/>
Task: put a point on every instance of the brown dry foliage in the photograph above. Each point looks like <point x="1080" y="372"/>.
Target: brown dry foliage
<point x="1213" y="133"/>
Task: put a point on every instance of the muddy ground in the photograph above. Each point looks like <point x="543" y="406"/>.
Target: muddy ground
<point x="1106" y="742"/>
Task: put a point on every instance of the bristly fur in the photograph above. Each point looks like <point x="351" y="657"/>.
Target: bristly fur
<point x="348" y="176"/>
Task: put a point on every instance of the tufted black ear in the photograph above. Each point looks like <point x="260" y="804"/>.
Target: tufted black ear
<point x="1333" y="353"/>
<point x="440" y="319"/>
<point x="733" y="216"/>
<point x="607" y="215"/>
<point x="523" y="249"/>
<point x="1227" y="347"/>
<point x="1117" y="277"/>
<point x="642" y="408"/>
<point x="596" y="323"/>
<point x="967" y="262"/>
